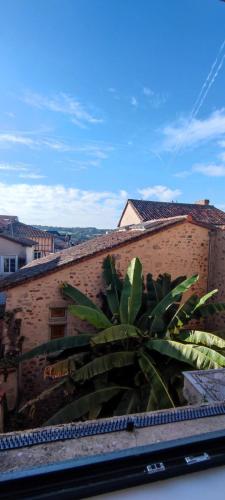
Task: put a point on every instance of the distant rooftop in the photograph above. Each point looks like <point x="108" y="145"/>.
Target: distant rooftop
<point x="9" y="224"/>
<point x="201" y="211"/>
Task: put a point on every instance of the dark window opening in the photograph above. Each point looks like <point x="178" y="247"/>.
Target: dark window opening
<point x="57" y="331"/>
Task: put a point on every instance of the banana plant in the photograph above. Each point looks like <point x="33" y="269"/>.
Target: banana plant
<point x="125" y="365"/>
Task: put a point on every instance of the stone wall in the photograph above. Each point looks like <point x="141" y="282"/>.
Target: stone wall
<point x="217" y="273"/>
<point x="2" y="410"/>
<point x="179" y="250"/>
<point x="9" y="385"/>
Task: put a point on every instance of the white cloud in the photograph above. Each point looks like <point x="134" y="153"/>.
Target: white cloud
<point x="32" y="175"/>
<point x="14" y="138"/>
<point x="10" y="114"/>
<point x="97" y="152"/>
<point x="134" y="102"/>
<point x="65" y="104"/>
<point x="183" y="174"/>
<point x="210" y="170"/>
<point x="13" y="167"/>
<point x="24" y="139"/>
<point x="186" y="133"/>
<point x="148" y="92"/>
<point x="161" y="193"/>
<point x="155" y="99"/>
<point x="58" y="205"/>
<point x="23" y="170"/>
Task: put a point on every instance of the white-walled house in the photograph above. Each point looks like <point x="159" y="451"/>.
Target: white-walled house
<point x="14" y="253"/>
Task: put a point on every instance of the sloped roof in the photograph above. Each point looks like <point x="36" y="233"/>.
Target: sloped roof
<point x="51" y="263"/>
<point x="5" y="220"/>
<point x="19" y="229"/>
<point x="25" y="242"/>
<point x="151" y="210"/>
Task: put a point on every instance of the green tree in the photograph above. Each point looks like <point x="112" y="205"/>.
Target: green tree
<point x="141" y="343"/>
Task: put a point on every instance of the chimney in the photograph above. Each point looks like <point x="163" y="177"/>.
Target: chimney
<point x="202" y="202"/>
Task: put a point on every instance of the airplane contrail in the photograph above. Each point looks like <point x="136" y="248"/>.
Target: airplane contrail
<point x="209" y="81"/>
<point x="214" y="71"/>
<point x="210" y="85"/>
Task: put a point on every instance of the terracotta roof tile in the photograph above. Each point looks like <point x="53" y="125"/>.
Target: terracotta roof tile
<point x="53" y="262"/>
<point x="25" y="230"/>
<point x="149" y="210"/>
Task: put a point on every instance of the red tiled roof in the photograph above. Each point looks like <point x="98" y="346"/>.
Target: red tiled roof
<point x="152" y="210"/>
<point x="11" y="225"/>
<point x="25" y="230"/>
<point x="72" y="255"/>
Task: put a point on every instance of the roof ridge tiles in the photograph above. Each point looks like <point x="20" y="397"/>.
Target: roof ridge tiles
<point x="86" y="250"/>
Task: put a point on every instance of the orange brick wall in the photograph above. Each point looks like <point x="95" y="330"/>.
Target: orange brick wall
<point x="179" y="250"/>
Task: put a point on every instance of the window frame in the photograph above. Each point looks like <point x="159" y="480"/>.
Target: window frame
<point x="97" y="475"/>
<point x="39" y="252"/>
<point x="57" y="320"/>
<point x="9" y="257"/>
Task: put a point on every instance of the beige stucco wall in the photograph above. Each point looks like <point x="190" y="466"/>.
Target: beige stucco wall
<point x="179" y="250"/>
<point x="129" y="217"/>
<point x="8" y="247"/>
<point x="29" y="254"/>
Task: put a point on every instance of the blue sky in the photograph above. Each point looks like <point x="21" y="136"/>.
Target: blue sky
<point x="103" y="100"/>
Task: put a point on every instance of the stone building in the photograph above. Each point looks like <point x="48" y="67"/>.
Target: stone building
<point x="180" y="244"/>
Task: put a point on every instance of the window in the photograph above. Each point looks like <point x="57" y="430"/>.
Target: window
<point x="57" y="312"/>
<point x="9" y="264"/>
<point x="57" y="322"/>
<point x="57" y="331"/>
<point x="37" y="254"/>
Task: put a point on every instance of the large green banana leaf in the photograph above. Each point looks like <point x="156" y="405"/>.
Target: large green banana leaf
<point x="115" y="333"/>
<point x="104" y="364"/>
<point x="92" y="316"/>
<point x="128" y="403"/>
<point x="63" y="367"/>
<point x="162" y="306"/>
<point x="202" y="300"/>
<point x="209" y="309"/>
<point x="201" y="338"/>
<point x="150" y="289"/>
<point x="195" y="307"/>
<point x="113" y="285"/>
<point x="71" y="292"/>
<point x="70" y="342"/>
<point x="44" y="394"/>
<point x="213" y="355"/>
<point x="159" y="396"/>
<point x="183" y="313"/>
<point x="131" y="296"/>
<point x="84" y="405"/>
<point x="159" y="310"/>
<point x="187" y="353"/>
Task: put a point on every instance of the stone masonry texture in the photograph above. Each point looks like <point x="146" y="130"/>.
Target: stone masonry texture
<point x="179" y="250"/>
